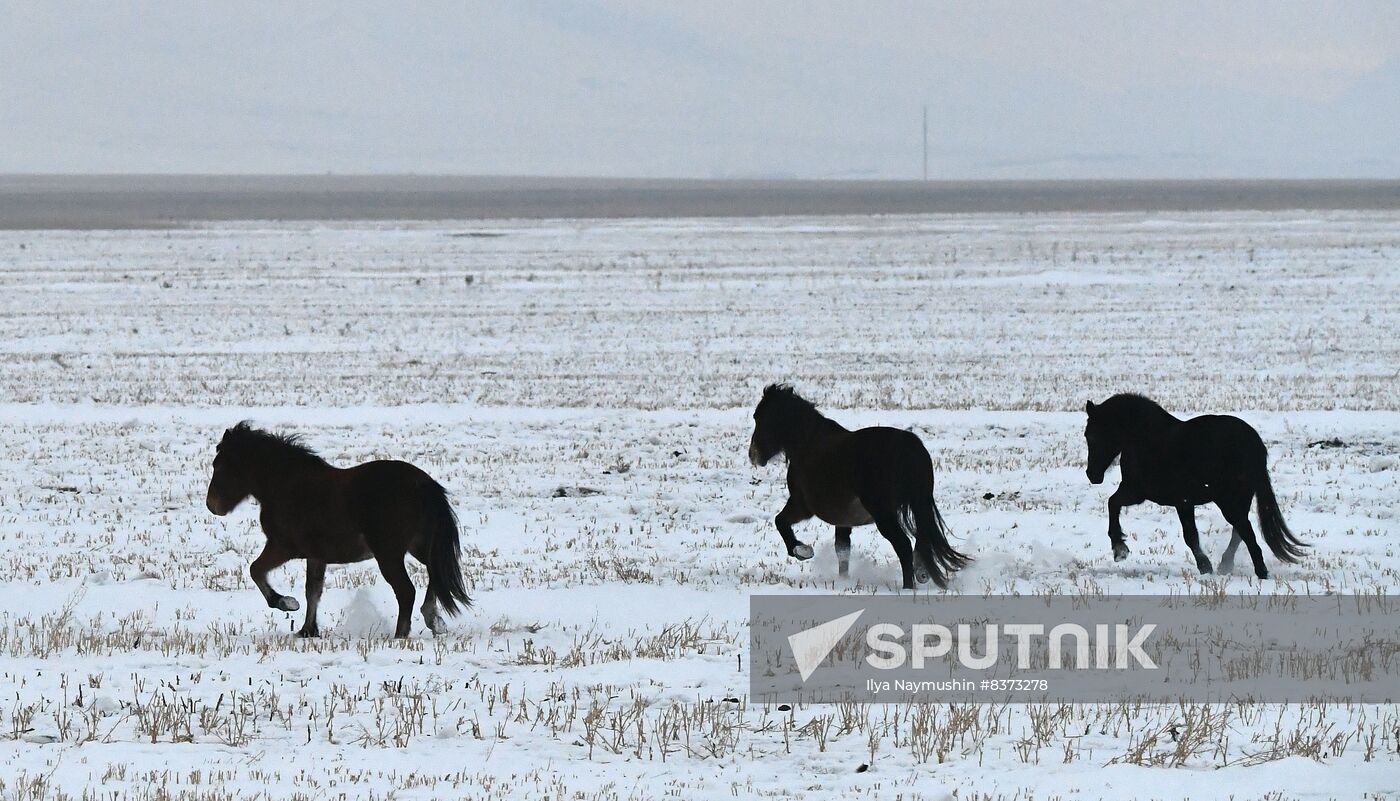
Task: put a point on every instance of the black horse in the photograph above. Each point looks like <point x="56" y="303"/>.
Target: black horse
<point x="326" y="515"/>
<point x="1184" y="464"/>
<point x="852" y="478"/>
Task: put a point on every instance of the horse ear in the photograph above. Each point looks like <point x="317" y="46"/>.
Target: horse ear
<point x="1089" y="408"/>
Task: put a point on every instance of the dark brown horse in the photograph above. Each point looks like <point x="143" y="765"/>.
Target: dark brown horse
<point x="326" y="515"/>
<point x="1184" y="464"/>
<point x="852" y="478"/>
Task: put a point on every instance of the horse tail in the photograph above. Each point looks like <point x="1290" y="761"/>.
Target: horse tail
<point x="940" y="559"/>
<point x="444" y="551"/>
<point x="1284" y="543"/>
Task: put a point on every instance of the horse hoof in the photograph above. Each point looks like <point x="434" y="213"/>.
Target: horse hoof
<point x="1262" y="574"/>
<point x="288" y="604"/>
<point x="1225" y="568"/>
<point x="1205" y="568"/>
<point x="307" y="634"/>
<point x="1120" y="552"/>
<point x="921" y="576"/>
<point x="802" y="552"/>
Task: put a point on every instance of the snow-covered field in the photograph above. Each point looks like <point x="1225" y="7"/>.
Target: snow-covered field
<point x="603" y="658"/>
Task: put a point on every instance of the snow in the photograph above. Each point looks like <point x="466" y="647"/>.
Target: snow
<point x="609" y="630"/>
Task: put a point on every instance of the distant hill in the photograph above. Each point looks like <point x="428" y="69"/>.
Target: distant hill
<point x="139" y="201"/>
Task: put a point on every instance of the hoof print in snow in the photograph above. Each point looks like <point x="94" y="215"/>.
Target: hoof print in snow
<point x="576" y="492"/>
<point x="1334" y="442"/>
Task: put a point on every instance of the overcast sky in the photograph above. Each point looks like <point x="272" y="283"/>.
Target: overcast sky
<point x="708" y="88"/>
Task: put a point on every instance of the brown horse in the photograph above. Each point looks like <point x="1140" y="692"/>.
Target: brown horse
<point x="327" y="515"/>
<point x="852" y="478"/>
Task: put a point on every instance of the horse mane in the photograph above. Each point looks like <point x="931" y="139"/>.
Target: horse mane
<point x="1126" y="407"/>
<point x="243" y="438"/>
<point x="785" y="398"/>
<point x="793" y="410"/>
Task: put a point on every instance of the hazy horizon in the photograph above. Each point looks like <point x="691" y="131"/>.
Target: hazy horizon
<point x="614" y="88"/>
<point x="116" y="201"/>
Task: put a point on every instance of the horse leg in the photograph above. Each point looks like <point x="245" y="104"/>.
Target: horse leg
<point x="397" y="575"/>
<point x="1237" y="514"/>
<point x="1120" y="498"/>
<point x="429" y="608"/>
<point x="891" y="530"/>
<point x="1187" y="513"/>
<point x="1227" y="559"/>
<point x="315" y="580"/>
<point x="272" y="557"/>
<point x="793" y="512"/>
<point x="843" y="550"/>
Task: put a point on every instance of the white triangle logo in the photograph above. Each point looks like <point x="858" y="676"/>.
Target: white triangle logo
<point x="811" y="646"/>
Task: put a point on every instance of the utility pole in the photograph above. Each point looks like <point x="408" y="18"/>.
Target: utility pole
<point x="925" y="142"/>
